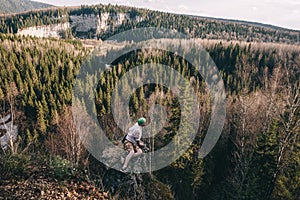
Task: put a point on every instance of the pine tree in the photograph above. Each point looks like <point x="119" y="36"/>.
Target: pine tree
<point x="41" y="122"/>
<point x="1" y="95"/>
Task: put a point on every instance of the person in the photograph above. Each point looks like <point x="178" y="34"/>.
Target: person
<point x="133" y="143"/>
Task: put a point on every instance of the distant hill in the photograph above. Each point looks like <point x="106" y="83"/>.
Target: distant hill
<point x="15" y="6"/>
<point x="242" y="22"/>
<point x="103" y="21"/>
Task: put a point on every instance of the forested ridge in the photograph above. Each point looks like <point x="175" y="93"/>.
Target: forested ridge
<point x="196" y="27"/>
<point x="257" y="156"/>
<point x="15" y="6"/>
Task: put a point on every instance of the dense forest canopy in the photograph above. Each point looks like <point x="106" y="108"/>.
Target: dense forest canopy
<point x="257" y="156"/>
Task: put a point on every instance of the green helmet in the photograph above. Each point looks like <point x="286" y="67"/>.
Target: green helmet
<point x="141" y="121"/>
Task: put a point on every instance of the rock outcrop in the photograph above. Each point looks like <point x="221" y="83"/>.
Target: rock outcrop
<point x="8" y="131"/>
<point x="45" y="31"/>
<point x="82" y="26"/>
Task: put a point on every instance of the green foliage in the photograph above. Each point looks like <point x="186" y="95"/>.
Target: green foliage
<point x="43" y="72"/>
<point x="13" y="165"/>
<point x="33" y="18"/>
<point x="1" y="94"/>
<point x="61" y="168"/>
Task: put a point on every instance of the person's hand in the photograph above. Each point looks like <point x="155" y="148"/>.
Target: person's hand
<point x="141" y="144"/>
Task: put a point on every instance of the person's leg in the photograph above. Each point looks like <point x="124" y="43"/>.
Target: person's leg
<point x="129" y="148"/>
<point x="134" y="152"/>
<point x="137" y="153"/>
<point x="127" y="159"/>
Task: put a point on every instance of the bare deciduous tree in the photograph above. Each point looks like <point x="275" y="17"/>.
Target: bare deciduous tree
<point x="67" y="142"/>
<point x="288" y="107"/>
<point x="9" y="120"/>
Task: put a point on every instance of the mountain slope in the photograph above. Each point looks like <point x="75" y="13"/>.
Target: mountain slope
<point x="101" y="22"/>
<point x="15" y="6"/>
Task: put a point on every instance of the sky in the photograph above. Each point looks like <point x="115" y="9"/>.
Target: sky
<point x="283" y="13"/>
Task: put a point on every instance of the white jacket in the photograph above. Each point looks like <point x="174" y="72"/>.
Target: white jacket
<point x="134" y="134"/>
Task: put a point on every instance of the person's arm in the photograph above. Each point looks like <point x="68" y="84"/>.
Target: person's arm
<point x="141" y="143"/>
<point x="137" y="135"/>
<point x="138" y="140"/>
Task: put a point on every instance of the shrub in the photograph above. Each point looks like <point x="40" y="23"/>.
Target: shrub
<point x="61" y="168"/>
<point x="13" y="165"/>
